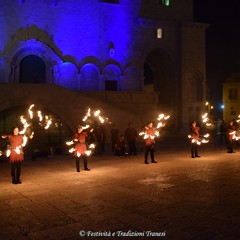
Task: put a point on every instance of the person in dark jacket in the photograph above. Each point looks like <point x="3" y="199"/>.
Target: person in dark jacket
<point x="131" y="138"/>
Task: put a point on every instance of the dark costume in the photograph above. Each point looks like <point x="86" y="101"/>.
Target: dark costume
<point x="80" y="148"/>
<point x="223" y="132"/>
<point x="230" y="136"/>
<point x="131" y="137"/>
<point x="119" y="147"/>
<point x="114" y="137"/>
<point x="99" y="136"/>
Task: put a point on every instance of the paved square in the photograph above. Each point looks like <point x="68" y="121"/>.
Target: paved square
<point x="122" y="198"/>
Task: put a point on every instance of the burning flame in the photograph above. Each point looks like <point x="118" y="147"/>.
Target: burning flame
<point x="96" y="115"/>
<point x="17" y="150"/>
<point x="49" y="122"/>
<point x="25" y="139"/>
<point x="88" y="152"/>
<point x="162" y="118"/>
<point x="206" y="136"/>
<point x="205" y="119"/>
<point x="71" y="150"/>
<point x="8" y="152"/>
<point x="69" y="143"/>
<point x="30" y="111"/>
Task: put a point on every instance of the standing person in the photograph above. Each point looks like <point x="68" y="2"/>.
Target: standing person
<point x="194" y="133"/>
<point x="114" y="136"/>
<point x="230" y="136"/>
<point x="150" y="142"/>
<point x="16" y="154"/>
<point x="104" y="138"/>
<point x="223" y="132"/>
<point x="98" y="134"/>
<point x="131" y="137"/>
<point x="80" y="139"/>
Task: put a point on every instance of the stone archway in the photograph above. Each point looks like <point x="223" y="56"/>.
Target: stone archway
<point x="32" y="70"/>
<point x="160" y="75"/>
<point x="50" y="141"/>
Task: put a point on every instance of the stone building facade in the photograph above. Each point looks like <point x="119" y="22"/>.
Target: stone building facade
<point x="231" y="98"/>
<point x="136" y="58"/>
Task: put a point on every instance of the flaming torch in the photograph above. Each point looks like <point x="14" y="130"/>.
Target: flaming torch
<point x="27" y="123"/>
<point x="89" y="119"/>
<point x="206" y="121"/>
<point x="162" y="120"/>
<point x="206" y="136"/>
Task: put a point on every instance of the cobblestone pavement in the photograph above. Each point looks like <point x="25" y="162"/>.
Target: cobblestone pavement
<point x="122" y="198"/>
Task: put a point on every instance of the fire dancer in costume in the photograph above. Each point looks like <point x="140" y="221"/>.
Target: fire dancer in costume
<point x="150" y="132"/>
<point x="194" y="133"/>
<point x="80" y="148"/>
<point x="16" y="154"/>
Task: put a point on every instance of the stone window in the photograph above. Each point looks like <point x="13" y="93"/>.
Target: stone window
<point x="233" y="113"/>
<point x="111" y="85"/>
<point x="233" y="94"/>
<point x="110" y="1"/>
<point x="164" y="2"/>
<point x="159" y="33"/>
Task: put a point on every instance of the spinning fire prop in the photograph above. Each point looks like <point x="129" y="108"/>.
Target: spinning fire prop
<point x="27" y="124"/>
<point x="233" y="131"/>
<point x="162" y="120"/>
<point x="206" y="136"/>
<point x="91" y="118"/>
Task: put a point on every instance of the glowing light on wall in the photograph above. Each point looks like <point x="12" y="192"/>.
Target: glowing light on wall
<point x="159" y="33"/>
<point x="165" y="2"/>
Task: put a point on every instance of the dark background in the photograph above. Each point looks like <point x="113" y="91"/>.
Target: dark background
<point x="222" y="43"/>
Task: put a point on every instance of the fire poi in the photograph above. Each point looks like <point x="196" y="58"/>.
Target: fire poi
<point x="234" y="133"/>
<point x="206" y="136"/>
<point x="162" y="120"/>
<point x="89" y="120"/>
<point x="43" y="120"/>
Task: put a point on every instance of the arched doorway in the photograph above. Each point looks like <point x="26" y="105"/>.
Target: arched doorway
<point x="32" y="70"/>
<point x="160" y="75"/>
<point x="148" y="78"/>
<point x="50" y="141"/>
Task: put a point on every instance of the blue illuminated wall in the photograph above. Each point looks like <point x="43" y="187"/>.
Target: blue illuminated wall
<point x="92" y="45"/>
<point x="78" y="29"/>
<point x="71" y="36"/>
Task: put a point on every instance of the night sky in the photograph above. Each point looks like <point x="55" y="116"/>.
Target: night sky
<point x="222" y="42"/>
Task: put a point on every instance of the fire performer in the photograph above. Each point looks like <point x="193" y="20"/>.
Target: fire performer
<point x="194" y="133"/>
<point x="16" y="154"/>
<point x="231" y="136"/>
<point x="150" y="133"/>
<point x="80" y="148"/>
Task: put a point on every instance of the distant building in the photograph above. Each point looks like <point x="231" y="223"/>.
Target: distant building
<point x="132" y="58"/>
<point x="231" y="97"/>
